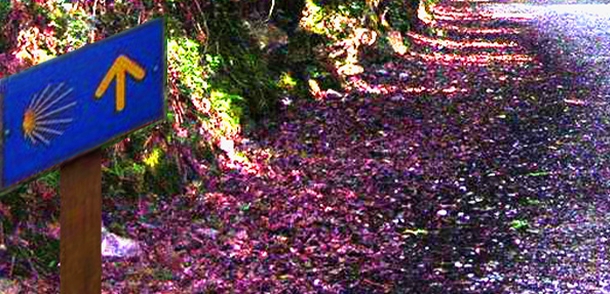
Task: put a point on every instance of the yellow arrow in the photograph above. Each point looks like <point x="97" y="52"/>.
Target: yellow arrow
<point x="118" y="69"/>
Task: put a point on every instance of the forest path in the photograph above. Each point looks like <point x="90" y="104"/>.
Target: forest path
<point x="468" y="165"/>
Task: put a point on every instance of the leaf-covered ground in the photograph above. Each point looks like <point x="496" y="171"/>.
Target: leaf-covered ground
<point x="475" y="163"/>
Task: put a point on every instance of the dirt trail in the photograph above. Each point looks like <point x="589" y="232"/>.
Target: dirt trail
<point x="465" y="166"/>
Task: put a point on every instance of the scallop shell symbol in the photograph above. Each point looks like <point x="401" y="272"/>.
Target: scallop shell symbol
<point x="46" y="117"/>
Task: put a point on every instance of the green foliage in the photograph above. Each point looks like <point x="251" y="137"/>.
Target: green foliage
<point x="323" y="76"/>
<point x="286" y="81"/>
<point x="137" y="169"/>
<point x="50" y="179"/>
<point x="213" y="62"/>
<point x="5" y="9"/>
<point x="122" y="15"/>
<point x="315" y="21"/>
<point x="72" y="28"/>
<point x="225" y="71"/>
<point x="228" y="106"/>
<point x="529" y="201"/>
<point x="41" y="254"/>
<point x="184" y="54"/>
<point x="335" y="19"/>
<point x="243" y="77"/>
<point x="153" y="159"/>
<point x="361" y="28"/>
<point x="396" y="17"/>
<point x="519" y="224"/>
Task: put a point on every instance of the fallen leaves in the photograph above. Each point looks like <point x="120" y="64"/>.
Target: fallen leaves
<point x="390" y="187"/>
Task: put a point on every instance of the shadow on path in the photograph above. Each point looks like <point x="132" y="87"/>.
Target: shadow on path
<point x="438" y="173"/>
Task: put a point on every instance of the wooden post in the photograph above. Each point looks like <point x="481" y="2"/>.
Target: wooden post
<point x="81" y="224"/>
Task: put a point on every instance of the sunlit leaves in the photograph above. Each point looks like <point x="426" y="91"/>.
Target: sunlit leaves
<point x="152" y="160"/>
<point x="228" y="108"/>
<point x="287" y="81"/>
<point x="184" y="56"/>
<point x="213" y="62"/>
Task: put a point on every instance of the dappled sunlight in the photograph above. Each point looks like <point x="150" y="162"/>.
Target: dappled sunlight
<point x="242" y="164"/>
<point x="452" y="15"/>
<point x="245" y="159"/>
<point x="426" y="145"/>
<point x="481" y="31"/>
<point x="585" y="10"/>
<point x="424" y="40"/>
<point x="454" y="89"/>
<point x="467" y="17"/>
<point x="473" y="1"/>
<point x="475" y="59"/>
<point x="421" y="89"/>
<point x="363" y="86"/>
<point x="397" y="42"/>
<point x="415" y="90"/>
<point x="463" y="14"/>
<point x="514" y="17"/>
<point x="422" y="161"/>
<point x="385" y="89"/>
<point x="448" y="10"/>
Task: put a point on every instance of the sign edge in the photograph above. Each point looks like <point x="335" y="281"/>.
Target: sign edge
<point x="3" y="88"/>
<point x="4" y="83"/>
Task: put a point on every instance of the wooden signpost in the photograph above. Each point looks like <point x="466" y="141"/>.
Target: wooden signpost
<point x="61" y="112"/>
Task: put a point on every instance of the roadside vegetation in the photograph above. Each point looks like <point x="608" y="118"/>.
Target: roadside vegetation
<point x="232" y="67"/>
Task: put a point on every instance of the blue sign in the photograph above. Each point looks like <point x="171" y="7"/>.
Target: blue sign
<point x="65" y="107"/>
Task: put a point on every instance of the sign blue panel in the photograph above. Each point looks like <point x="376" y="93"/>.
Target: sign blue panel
<point x="74" y="103"/>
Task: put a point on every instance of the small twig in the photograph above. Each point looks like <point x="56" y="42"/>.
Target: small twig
<point x="206" y="30"/>
<point x="33" y="267"/>
<point x="197" y="25"/>
<point x="94" y="7"/>
<point x="195" y="238"/>
<point x="575" y="102"/>
<point x="235" y="79"/>
<point x="2" y="239"/>
<point x="92" y="32"/>
<point x="270" y="10"/>
<point x="10" y="273"/>
<point x="374" y="284"/>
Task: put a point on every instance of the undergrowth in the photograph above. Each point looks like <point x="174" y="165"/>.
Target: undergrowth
<point x="230" y="64"/>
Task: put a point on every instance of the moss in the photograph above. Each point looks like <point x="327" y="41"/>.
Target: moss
<point x="5" y="9"/>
